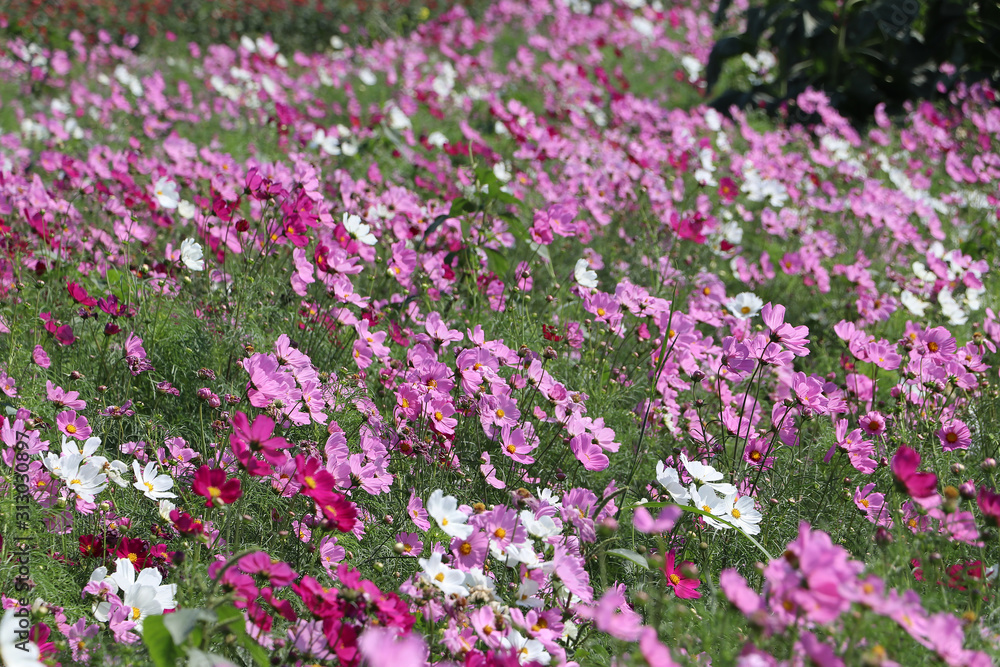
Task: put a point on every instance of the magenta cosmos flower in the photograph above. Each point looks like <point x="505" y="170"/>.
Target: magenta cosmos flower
<point x="921" y="486"/>
<point x="684" y="587"/>
<point x="212" y="484"/>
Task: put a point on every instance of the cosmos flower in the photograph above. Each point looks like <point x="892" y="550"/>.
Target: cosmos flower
<point x="584" y="275"/>
<point x="191" y="255"/>
<point x="444" y="510"/>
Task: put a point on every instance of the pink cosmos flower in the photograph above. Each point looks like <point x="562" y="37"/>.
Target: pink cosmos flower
<point x="988" y="501"/>
<point x="259" y="437"/>
<point x="655" y="653"/>
<point x="921" y="486"/>
<point x="470" y="552"/>
<point x="588" y="452"/>
<point x="7" y="384"/>
<point x="684" y="587"/>
<point x="440" y="411"/>
<point x="613" y="615"/>
<point x="412" y="546"/>
<point x="873" y="423"/>
<point x="793" y="338"/>
<point x="644" y="522"/>
<point x="40" y="357"/>
<point x="872" y="505"/>
<point x="72" y="425"/>
<point x="415" y="510"/>
<point x="516" y="446"/>
<point x="954" y="434"/>
<point x="387" y="647"/>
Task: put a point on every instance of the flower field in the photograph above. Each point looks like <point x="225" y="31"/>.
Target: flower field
<point x="490" y="344"/>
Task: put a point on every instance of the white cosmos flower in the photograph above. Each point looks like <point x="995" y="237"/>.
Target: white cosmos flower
<point x="437" y="139"/>
<point x="540" y="527"/>
<point x="15" y="649"/>
<point x="449" y="580"/>
<point x="670" y="480"/>
<point x="153" y="486"/>
<point x="115" y="470"/>
<point x="706" y="475"/>
<point x="527" y="594"/>
<point x="913" y="303"/>
<point x="584" y="275"/>
<point x="185" y="209"/>
<point x="166" y="193"/>
<point x="501" y="171"/>
<point x="84" y="477"/>
<point x="166" y="507"/>
<point x="951" y="309"/>
<point x="705" y="499"/>
<point x="191" y="255"/>
<point x="745" y="305"/>
<point x="528" y="650"/>
<point x="739" y="511"/>
<point x="514" y="555"/>
<point x="444" y="510"/>
<point x="144" y="592"/>
<point x="359" y="230"/>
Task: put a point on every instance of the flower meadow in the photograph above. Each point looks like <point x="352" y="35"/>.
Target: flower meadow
<point x="490" y="344"/>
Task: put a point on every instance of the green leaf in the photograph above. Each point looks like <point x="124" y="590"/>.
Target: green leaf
<point x="497" y="262"/>
<point x="235" y="622"/>
<point x="182" y="622"/>
<point x="198" y="658"/>
<point x="515" y="226"/>
<point x="460" y="206"/>
<point x="161" y="645"/>
<point x="628" y="554"/>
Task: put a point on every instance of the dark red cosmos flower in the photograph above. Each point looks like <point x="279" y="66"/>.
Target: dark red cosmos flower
<point x="136" y="550"/>
<point x="921" y="486"/>
<point x="91" y="545"/>
<point x="549" y="333"/>
<point x="186" y="524"/>
<point x="211" y="483"/>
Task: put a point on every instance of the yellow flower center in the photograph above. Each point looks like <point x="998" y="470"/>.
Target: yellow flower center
<point x="745" y="310"/>
<point x="136" y="613"/>
<point x="149" y="485"/>
<point x="511" y="448"/>
<point x="405" y="404"/>
<point x="735" y="513"/>
<point x="438" y="415"/>
<point x="674" y="579"/>
<point x="444" y="522"/>
<point x="407" y="548"/>
<point x="439" y="576"/>
<point x="310" y="482"/>
<point x="932" y="346"/>
<point x="601" y="312"/>
<point x="71" y="428"/>
<point x="500" y="533"/>
<point x="500" y="413"/>
<point x="864" y="501"/>
<point x="133" y="557"/>
<point x="72" y="481"/>
<point x="465" y="549"/>
<point x="214" y="492"/>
